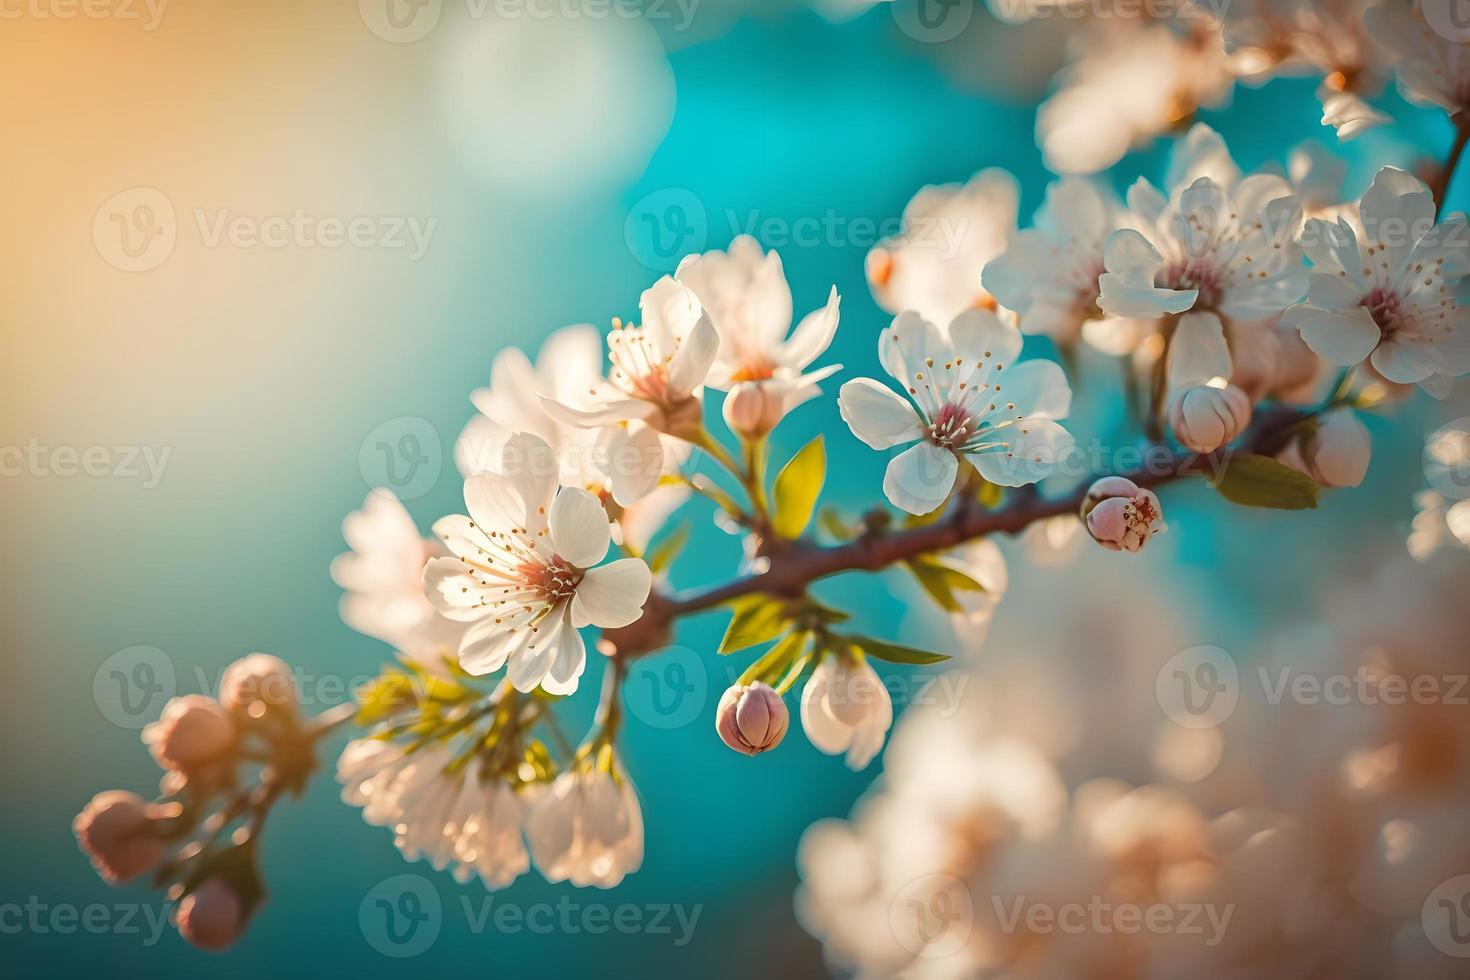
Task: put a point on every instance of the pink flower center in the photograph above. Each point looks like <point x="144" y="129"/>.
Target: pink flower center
<point x="951" y="427"/>
<point x="1194" y="275"/>
<point x="1383" y="306"/>
<point x="637" y="366"/>
<point x="555" y="579"/>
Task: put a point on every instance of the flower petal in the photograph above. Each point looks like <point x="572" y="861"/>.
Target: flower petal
<point x="1036" y="450"/>
<point x="877" y="415"/>
<point x="976" y="333"/>
<point x="907" y="344"/>
<point x="823" y="730"/>
<point x="1038" y="389"/>
<point x="490" y="644"/>
<point x="1127" y="287"/>
<point x="571" y="660"/>
<point x="1343" y="338"/>
<point x="692" y="360"/>
<point x="919" y="479"/>
<point x="1198" y="351"/>
<point x="612" y="595"/>
<point x="813" y="335"/>
<point x="531" y="466"/>
<point x="529" y="664"/>
<point x="579" y="527"/>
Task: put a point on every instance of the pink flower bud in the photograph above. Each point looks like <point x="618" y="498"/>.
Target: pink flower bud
<point x="116" y="831"/>
<point x="1120" y="515"/>
<point x="1205" y="417"/>
<point x="752" y="408"/>
<point x="753" y="719"/>
<point x="211" y="916"/>
<point x="254" y="684"/>
<point x="193" y="730"/>
<point x="1335" y="454"/>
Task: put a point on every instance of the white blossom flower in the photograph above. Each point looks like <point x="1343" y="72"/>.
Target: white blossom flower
<point x="621" y="464"/>
<point x="1231" y="252"/>
<point x="1430" y="59"/>
<point x="1325" y="37"/>
<point x="969" y="398"/>
<point x="1383" y="288"/>
<point x="447" y="817"/>
<point x="1350" y="115"/>
<point x="949" y="233"/>
<point x="745" y="295"/>
<point x="587" y="827"/>
<point x="657" y="369"/>
<point x="1438" y="523"/>
<point x="846" y="708"/>
<point x="1129" y="81"/>
<point x="525" y="572"/>
<point x="383" y="576"/>
<point x="1049" y="273"/>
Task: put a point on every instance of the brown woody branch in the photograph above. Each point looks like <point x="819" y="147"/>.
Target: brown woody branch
<point x="795" y="565"/>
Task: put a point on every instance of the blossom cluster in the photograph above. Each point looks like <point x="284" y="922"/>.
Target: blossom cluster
<point x="199" y="837"/>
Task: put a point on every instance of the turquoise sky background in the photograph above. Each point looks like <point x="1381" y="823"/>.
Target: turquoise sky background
<point x="266" y="391"/>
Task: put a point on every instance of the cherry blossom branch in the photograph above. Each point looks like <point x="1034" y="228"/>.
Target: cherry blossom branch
<point x="796" y="565"/>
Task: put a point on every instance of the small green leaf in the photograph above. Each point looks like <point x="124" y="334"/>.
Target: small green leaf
<point x="942" y="582"/>
<point x="774" y="662"/>
<point x="797" y="487"/>
<point x="384" y="696"/>
<point x="662" y="555"/>
<point x="757" y="619"/>
<point x="895" y="653"/>
<point x="1259" y="481"/>
<point x="832" y="522"/>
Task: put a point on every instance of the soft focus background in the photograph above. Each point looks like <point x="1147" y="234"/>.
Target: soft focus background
<point x="564" y="162"/>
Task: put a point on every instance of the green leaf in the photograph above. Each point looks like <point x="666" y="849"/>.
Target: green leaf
<point x="774" y="662"/>
<point x="384" y="696"/>
<point x="942" y="582"/>
<point x="662" y="555"/>
<point x="797" y="487"/>
<point x="832" y="522"/>
<point x="1259" y="481"/>
<point x="757" y="619"/>
<point x="894" y="653"/>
